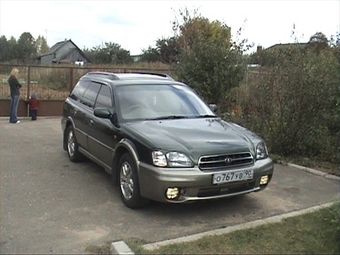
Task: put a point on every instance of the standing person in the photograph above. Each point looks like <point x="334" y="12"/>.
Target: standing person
<point x="33" y="103"/>
<point x="15" y="96"/>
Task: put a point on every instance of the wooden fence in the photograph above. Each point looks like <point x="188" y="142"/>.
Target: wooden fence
<point x="51" y="84"/>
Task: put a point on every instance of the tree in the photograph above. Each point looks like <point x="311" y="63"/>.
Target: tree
<point x="168" y="49"/>
<point x="318" y="42"/>
<point x="26" y="47"/>
<point x="41" y="45"/>
<point x="13" y="48"/>
<point x="111" y="53"/>
<point x="4" y="49"/>
<point x="209" y="61"/>
<point x="150" y="55"/>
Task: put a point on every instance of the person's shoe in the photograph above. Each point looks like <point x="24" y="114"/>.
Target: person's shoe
<point x="18" y="121"/>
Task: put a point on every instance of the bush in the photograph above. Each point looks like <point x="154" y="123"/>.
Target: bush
<point x="293" y="104"/>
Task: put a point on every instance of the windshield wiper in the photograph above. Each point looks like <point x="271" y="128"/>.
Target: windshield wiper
<point x="169" y="117"/>
<point x="206" y="116"/>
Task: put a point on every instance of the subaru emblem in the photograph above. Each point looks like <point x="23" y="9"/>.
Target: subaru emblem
<point x="228" y="161"/>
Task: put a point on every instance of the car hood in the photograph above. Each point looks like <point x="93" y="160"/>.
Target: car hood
<point x="195" y="137"/>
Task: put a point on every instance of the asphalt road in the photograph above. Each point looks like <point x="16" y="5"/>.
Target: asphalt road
<point x="51" y="205"/>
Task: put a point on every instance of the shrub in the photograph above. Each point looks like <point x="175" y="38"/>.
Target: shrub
<point x="293" y="104"/>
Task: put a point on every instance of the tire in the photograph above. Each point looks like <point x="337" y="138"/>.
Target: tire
<point x="128" y="183"/>
<point x="72" y="146"/>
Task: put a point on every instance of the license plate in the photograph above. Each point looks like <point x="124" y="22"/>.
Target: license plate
<point x="233" y="176"/>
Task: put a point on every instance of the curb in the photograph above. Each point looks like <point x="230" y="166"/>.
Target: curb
<point x="316" y="172"/>
<point x="252" y="224"/>
<point x="122" y="248"/>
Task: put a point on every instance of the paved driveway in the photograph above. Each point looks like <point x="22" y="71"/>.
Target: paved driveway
<point x="50" y="205"/>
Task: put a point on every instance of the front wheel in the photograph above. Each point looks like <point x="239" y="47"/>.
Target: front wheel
<point x="128" y="183"/>
<point x="72" y="146"/>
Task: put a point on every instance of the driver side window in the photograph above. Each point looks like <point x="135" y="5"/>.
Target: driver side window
<point x="104" y="98"/>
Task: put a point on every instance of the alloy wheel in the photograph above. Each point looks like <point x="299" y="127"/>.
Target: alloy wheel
<point x="126" y="181"/>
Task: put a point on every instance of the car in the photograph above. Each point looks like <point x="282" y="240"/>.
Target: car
<point x="159" y="141"/>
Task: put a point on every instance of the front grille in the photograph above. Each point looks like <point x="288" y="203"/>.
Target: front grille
<point x="225" y="161"/>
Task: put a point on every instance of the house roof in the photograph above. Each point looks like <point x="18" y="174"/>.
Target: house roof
<point x="60" y="51"/>
<point x="287" y="45"/>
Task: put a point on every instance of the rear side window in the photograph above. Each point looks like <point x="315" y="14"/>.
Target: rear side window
<point x="90" y="94"/>
<point x="104" y="98"/>
<point x="78" y="91"/>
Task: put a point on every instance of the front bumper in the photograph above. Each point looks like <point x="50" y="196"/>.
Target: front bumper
<point x="195" y="184"/>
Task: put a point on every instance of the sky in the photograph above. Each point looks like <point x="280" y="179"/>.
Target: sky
<point x="136" y="25"/>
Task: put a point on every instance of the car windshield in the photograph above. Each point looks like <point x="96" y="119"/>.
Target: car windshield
<point x="156" y="102"/>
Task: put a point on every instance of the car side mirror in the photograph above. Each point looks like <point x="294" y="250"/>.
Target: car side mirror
<point x="102" y="113"/>
<point x="105" y="113"/>
<point x="213" y="107"/>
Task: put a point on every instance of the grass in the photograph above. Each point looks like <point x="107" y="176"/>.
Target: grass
<point x="326" y="167"/>
<point x="313" y="233"/>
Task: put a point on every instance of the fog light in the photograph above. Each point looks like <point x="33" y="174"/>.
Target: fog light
<point x="264" y="180"/>
<point x="172" y="193"/>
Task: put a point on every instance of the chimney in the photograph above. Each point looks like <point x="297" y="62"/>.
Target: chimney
<point x="259" y="49"/>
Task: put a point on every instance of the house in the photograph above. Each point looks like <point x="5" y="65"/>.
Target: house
<point x="283" y="46"/>
<point x="136" y="58"/>
<point x="265" y="57"/>
<point x="63" y="52"/>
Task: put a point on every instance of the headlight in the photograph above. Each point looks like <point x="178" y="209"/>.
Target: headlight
<point x="176" y="159"/>
<point x="261" y="151"/>
<point x="171" y="159"/>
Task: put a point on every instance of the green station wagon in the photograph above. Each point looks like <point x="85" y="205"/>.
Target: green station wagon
<point x="159" y="141"/>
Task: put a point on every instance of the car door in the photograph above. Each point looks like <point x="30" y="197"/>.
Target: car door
<point x="88" y="100"/>
<point x="78" y="111"/>
<point x="102" y="140"/>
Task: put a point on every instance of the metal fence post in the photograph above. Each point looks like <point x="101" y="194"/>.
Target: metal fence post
<point x="28" y="81"/>
<point x="28" y="86"/>
<point x="71" y="79"/>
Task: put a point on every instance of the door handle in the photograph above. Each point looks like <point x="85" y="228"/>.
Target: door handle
<point x="91" y="123"/>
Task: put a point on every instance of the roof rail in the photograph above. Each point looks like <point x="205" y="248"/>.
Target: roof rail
<point x="153" y="73"/>
<point x="107" y="74"/>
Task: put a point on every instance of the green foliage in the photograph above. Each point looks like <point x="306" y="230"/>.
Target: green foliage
<point x="4" y="49"/>
<point x="22" y="50"/>
<point x="150" y="55"/>
<point x="208" y="60"/>
<point x="312" y="233"/>
<point x="26" y="47"/>
<point x="166" y="51"/>
<point x="293" y="104"/>
<point x="41" y="45"/>
<point x="111" y="53"/>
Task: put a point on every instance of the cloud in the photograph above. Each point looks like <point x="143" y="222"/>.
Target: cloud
<point x="135" y="25"/>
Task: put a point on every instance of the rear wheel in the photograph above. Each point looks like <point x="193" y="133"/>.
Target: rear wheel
<point x="72" y="146"/>
<point x="128" y="183"/>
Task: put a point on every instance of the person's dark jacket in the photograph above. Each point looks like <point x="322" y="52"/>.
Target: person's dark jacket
<point x="14" y="85"/>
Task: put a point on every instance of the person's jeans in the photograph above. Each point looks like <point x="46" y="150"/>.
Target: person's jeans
<point x="14" y="109"/>
<point x="33" y="114"/>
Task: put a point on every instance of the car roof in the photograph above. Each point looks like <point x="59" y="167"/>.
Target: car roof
<point x="130" y="78"/>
